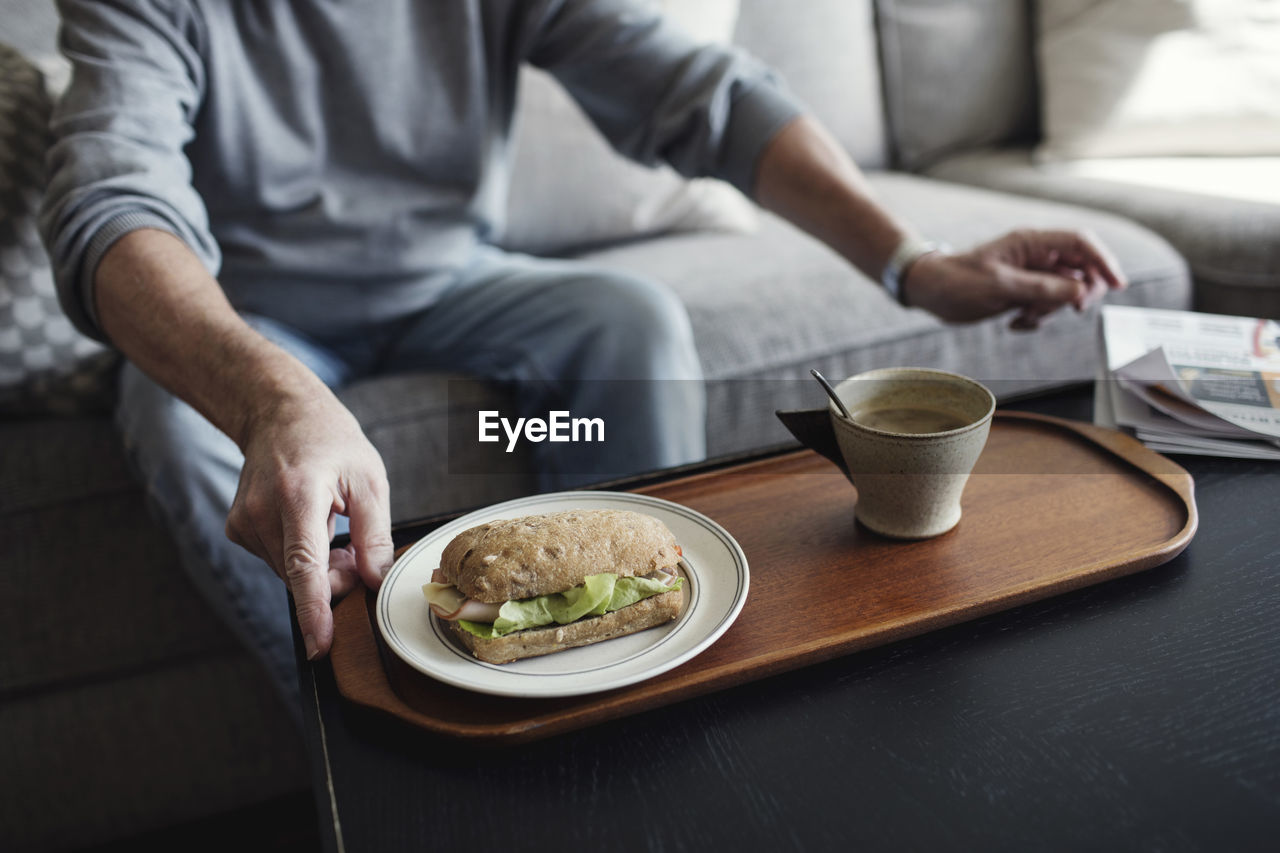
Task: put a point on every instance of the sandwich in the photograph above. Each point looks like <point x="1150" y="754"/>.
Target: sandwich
<point x="523" y="587"/>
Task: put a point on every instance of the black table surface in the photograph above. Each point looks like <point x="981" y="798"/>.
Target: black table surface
<point x="1138" y="714"/>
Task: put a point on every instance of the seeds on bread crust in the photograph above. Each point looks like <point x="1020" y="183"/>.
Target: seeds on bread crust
<point x="541" y="554"/>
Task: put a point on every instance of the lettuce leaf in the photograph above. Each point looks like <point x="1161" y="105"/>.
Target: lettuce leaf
<point x="599" y="594"/>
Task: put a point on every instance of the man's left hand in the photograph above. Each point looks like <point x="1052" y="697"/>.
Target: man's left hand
<point x="1032" y="272"/>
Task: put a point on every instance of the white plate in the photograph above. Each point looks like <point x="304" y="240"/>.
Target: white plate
<point x="715" y="588"/>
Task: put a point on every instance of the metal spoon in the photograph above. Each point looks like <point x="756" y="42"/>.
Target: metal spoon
<point x="831" y="392"/>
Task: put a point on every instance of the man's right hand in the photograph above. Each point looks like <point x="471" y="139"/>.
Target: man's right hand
<point x="306" y="459"/>
<point x="306" y="462"/>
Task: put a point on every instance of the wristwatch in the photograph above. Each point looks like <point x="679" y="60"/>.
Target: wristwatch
<point x="910" y="250"/>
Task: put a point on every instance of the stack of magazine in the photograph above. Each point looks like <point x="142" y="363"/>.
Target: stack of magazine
<point x="1184" y="382"/>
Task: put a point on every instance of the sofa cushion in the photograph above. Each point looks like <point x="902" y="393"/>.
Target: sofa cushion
<point x="82" y="551"/>
<point x="1146" y="78"/>
<point x="767" y="308"/>
<point x="31" y="27"/>
<point x="45" y="364"/>
<point x="102" y="760"/>
<point x="45" y="462"/>
<point x="560" y="163"/>
<point x="826" y="52"/>
<point x="1213" y="210"/>
<point x="826" y="56"/>
<point x="956" y="75"/>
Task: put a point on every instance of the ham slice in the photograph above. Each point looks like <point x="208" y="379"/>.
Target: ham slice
<point x="475" y="611"/>
<point x="664" y="577"/>
<point x="450" y="604"/>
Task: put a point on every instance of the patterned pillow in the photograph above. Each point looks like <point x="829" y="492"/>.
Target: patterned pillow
<point x="46" y="366"/>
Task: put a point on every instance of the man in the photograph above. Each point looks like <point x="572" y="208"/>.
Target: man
<point x="258" y="202"/>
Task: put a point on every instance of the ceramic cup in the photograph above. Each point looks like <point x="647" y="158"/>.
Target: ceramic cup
<point x="913" y="439"/>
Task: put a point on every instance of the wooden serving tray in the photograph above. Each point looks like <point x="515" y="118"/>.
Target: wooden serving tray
<point x="1052" y="505"/>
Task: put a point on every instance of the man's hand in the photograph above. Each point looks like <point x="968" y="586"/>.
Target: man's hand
<point x="1035" y="272"/>
<point x="306" y="459"/>
<point x="306" y="463"/>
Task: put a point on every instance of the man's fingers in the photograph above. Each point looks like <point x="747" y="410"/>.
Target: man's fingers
<point x="305" y="560"/>
<point x="1081" y="299"/>
<point x="343" y="559"/>
<point x="243" y="520"/>
<point x="1102" y="263"/>
<point x="370" y="514"/>
<point x="1025" y="322"/>
<point x="343" y="576"/>
<point x="309" y="583"/>
<point x="1082" y="250"/>
<point x="1098" y="287"/>
<point x="1042" y="292"/>
<point x="248" y="533"/>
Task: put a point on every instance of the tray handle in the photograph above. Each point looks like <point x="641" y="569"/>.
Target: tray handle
<point x="1176" y="478"/>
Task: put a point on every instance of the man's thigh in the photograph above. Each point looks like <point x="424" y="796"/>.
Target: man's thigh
<point x="513" y="316"/>
<point x="561" y="335"/>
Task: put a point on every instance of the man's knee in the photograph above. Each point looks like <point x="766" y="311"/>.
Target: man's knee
<point x="641" y="321"/>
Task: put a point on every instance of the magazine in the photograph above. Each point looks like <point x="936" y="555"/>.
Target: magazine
<point x="1186" y="382"/>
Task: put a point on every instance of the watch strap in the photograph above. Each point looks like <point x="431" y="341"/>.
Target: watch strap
<point x="910" y="250"/>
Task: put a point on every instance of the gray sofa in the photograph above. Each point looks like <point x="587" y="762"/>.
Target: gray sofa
<point x="126" y="705"/>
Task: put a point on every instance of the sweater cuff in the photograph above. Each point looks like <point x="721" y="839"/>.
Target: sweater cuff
<point x="755" y="119"/>
<point x="107" y="235"/>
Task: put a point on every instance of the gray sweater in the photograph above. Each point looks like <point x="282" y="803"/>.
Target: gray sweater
<point x="351" y="154"/>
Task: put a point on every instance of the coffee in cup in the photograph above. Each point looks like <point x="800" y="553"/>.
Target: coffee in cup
<point x="912" y="438"/>
<point x="914" y="420"/>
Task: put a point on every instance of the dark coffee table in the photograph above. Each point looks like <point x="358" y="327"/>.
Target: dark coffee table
<point x="1143" y="713"/>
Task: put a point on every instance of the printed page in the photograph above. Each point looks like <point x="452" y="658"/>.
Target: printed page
<point x="1227" y="366"/>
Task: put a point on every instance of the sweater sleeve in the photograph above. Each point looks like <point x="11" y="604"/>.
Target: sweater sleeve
<point x="656" y="94"/>
<point x="117" y="162"/>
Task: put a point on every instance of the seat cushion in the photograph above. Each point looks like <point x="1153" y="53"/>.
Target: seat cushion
<point x="767" y="308"/>
<point x="92" y="584"/>
<point x="1221" y="214"/>
<point x="104" y="759"/>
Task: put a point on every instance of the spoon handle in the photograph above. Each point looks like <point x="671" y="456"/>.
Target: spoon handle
<point x="831" y="392"/>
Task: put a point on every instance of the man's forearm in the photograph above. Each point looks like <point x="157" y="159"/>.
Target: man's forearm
<point x="306" y="458"/>
<point x="161" y="308"/>
<point x="806" y="177"/>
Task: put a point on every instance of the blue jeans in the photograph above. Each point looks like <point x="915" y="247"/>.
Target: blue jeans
<point x="549" y="329"/>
